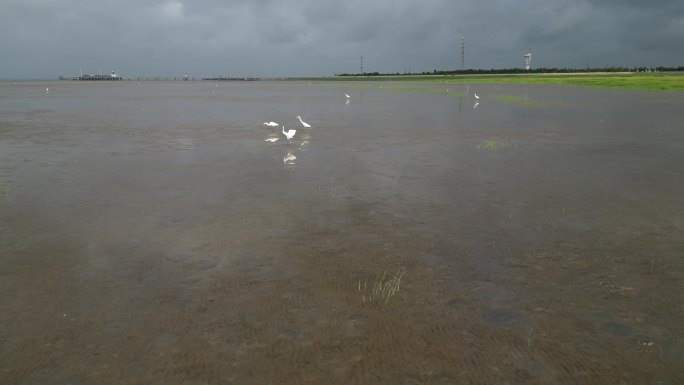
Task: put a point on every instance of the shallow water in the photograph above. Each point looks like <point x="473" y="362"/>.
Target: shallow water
<point x="149" y="234"/>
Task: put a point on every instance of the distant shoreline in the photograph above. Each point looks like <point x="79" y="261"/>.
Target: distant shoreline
<point x="670" y="81"/>
<point x="659" y="81"/>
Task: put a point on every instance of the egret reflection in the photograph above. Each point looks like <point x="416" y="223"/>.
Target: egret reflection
<point x="289" y="159"/>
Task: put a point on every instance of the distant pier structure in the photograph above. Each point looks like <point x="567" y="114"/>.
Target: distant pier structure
<point x="115" y="76"/>
<point x="527" y="58"/>
<point x="112" y="76"/>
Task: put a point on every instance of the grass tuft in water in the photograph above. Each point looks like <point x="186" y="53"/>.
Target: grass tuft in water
<point x="383" y="288"/>
<point x="505" y="98"/>
<point x="4" y="190"/>
<point x="492" y="145"/>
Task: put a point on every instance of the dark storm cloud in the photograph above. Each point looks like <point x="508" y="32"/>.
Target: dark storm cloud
<point x="309" y="37"/>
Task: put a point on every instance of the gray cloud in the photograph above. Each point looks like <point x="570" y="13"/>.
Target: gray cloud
<point x="44" y="38"/>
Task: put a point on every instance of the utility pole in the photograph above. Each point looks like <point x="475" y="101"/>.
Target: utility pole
<point x="462" y="53"/>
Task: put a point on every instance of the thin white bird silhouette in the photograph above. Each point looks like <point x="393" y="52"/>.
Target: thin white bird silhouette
<point x="289" y="134"/>
<point x="305" y="124"/>
<point x="347" y="95"/>
<point x="476" y="97"/>
<point x="271" y="124"/>
<point x="272" y="140"/>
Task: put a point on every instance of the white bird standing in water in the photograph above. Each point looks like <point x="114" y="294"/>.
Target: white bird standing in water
<point x="289" y="134"/>
<point x="305" y="124"/>
<point x="47" y="90"/>
<point x="272" y="140"/>
<point x="476" y="97"/>
<point x="271" y="124"/>
<point x="347" y="95"/>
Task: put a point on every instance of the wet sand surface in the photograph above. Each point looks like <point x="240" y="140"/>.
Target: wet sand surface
<point x="149" y="234"/>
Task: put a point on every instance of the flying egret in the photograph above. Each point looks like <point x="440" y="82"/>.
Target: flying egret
<point x="305" y="124"/>
<point x="476" y="97"/>
<point x="271" y="124"/>
<point x="289" y="134"/>
<point x="272" y="140"/>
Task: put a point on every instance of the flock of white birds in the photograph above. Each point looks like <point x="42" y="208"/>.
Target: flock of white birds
<point x="289" y="134"/>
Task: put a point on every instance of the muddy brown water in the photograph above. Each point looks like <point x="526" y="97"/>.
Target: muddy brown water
<point x="149" y="234"/>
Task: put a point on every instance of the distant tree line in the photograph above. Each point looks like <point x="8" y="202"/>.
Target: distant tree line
<point x="524" y="71"/>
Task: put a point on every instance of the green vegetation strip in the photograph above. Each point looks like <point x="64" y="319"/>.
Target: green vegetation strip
<point x="522" y="100"/>
<point x="644" y="81"/>
<point x="394" y="87"/>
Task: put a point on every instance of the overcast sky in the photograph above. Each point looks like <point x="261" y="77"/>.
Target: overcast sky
<point x="46" y="38"/>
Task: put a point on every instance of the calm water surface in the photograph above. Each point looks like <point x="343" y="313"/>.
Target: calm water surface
<point x="150" y="235"/>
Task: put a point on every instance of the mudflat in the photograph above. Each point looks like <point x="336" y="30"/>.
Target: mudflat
<point x="149" y="234"/>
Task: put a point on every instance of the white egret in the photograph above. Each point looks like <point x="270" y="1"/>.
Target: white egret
<point x="476" y="97"/>
<point x="305" y="124"/>
<point x="476" y="104"/>
<point x="47" y="90"/>
<point x="347" y="95"/>
<point x="271" y="124"/>
<point x="272" y="140"/>
<point x="289" y="134"/>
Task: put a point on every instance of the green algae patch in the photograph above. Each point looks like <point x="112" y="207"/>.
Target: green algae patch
<point x="492" y="145"/>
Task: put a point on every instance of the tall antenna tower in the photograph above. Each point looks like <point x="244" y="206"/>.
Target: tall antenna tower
<point x="361" y="66"/>
<point x="462" y="52"/>
<point x="527" y="58"/>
